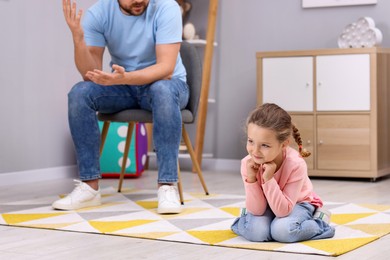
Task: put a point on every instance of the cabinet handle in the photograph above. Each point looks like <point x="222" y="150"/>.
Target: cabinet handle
<point x="307" y="84"/>
<point x="308" y="142"/>
<point x="321" y="142"/>
<point x="319" y="84"/>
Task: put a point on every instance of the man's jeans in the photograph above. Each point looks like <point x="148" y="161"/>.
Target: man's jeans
<point x="165" y="98"/>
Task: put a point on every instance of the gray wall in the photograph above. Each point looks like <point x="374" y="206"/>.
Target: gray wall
<point x="37" y="69"/>
<point x="246" y="27"/>
<point x="36" y="73"/>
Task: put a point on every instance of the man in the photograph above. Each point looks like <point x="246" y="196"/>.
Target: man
<point x="143" y="38"/>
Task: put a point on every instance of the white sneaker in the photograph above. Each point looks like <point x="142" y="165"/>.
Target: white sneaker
<point x="168" y="200"/>
<point x="82" y="196"/>
<point x="243" y="212"/>
<point x="322" y="214"/>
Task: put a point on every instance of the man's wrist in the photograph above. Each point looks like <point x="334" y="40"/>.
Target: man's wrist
<point x="78" y="38"/>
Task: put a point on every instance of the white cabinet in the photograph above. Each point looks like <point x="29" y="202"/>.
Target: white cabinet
<point x="343" y="82"/>
<point x="288" y="81"/>
<point x="339" y="100"/>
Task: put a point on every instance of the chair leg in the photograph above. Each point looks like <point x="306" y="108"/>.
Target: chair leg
<point x="179" y="186"/>
<point x="125" y="154"/>
<point x="103" y="136"/>
<point x="187" y="140"/>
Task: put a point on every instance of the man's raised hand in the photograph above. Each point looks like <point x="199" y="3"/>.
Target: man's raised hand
<point x="73" y="18"/>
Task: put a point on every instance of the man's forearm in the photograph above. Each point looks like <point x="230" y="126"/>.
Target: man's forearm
<point x="84" y="59"/>
<point x="148" y="75"/>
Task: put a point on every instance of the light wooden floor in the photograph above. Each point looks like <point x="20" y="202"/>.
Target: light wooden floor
<point x="28" y="243"/>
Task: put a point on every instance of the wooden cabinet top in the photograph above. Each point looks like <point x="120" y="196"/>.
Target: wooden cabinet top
<point x="334" y="51"/>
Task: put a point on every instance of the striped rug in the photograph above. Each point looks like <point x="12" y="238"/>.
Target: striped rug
<point x="205" y="220"/>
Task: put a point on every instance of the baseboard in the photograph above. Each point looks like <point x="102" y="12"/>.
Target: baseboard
<point x="21" y="177"/>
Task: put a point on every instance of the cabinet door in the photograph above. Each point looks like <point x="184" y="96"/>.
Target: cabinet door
<point x="305" y="125"/>
<point x="343" y="82"/>
<point x="343" y="142"/>
<point x="288" y="82"/>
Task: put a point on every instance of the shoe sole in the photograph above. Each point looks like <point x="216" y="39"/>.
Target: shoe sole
<point x="168" y="211"/>
<point x="80" y="206"/>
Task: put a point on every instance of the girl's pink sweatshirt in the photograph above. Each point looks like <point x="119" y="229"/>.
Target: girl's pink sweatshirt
<point x="289" y="186"/>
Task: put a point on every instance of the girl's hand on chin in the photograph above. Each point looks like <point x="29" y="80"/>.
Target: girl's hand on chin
<point x="252" y="170"/>
<point x="269" y="169"/>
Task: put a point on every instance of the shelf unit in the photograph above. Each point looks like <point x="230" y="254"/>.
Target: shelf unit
<point x="340" y="101"/>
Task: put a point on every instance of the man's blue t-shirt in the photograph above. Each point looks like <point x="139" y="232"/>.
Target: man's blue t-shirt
<point x="131" y="40"/>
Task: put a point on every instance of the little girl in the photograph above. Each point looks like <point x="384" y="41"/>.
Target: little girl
<point x="280" y="201"/>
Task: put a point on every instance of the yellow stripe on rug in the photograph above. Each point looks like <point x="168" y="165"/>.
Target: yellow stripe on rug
<point x="373" y="229"/>
<point x="343" y="219"/>
<point x="112" y="226"/>
<point x="337" y="247"/>
<point x="213" y="237"/>
<point x="13" y="219"/>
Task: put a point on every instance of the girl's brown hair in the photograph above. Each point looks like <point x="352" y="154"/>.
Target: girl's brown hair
<point x="275" y="118"/>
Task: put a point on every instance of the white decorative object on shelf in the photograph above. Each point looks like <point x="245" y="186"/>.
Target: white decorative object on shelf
<point x="189" y="32"/>
<point x="360" y="34"/>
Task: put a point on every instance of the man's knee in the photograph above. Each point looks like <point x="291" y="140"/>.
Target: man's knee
<point x="163" y="90"/>
<point x="80" y="92"/>
<point x="81" y="95"/>
<point x="79" y="89"/>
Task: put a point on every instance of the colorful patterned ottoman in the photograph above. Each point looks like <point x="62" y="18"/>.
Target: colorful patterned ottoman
<point x="112" y="155"/>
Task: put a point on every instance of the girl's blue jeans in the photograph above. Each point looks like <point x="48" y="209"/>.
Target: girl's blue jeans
<point x="298" y="226"/>
<point x="165" y="98"/>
